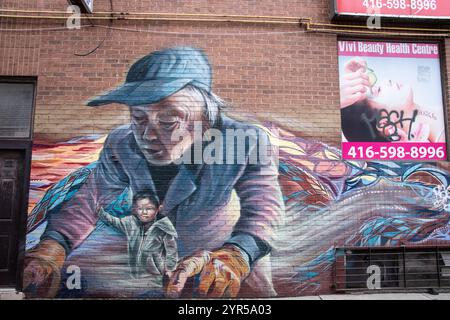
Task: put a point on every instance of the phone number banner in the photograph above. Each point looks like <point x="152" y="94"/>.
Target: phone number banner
<point x="398" y="151"/>
<point x="400" y="8"/>
<point x="391" y="101"/>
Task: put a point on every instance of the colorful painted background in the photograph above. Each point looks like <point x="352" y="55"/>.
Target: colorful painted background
<point x="330" y="203"/>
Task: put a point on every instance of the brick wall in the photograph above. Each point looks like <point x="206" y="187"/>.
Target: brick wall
<point x="281" y="68"/>
<point x="268" y="72"/>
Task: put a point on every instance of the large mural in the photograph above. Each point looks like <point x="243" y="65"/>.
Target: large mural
<point x="185" y="201"/>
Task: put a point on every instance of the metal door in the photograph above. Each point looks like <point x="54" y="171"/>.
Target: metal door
<point x="11" y="193"/>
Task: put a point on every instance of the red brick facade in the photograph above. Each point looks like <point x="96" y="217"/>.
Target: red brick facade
<point x="270" y="72"/>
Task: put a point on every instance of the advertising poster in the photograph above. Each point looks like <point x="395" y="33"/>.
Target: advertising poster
<point x="391" y="101"/>
<point x="425" y="9"/>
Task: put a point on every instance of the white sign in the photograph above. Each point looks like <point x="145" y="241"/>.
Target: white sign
<point x="89" y="4"/>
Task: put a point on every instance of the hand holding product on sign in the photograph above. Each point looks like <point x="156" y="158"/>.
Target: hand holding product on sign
<point x="355" y="82"/>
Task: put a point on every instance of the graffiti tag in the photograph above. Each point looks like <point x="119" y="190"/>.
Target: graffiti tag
<point x="389" y="123"/>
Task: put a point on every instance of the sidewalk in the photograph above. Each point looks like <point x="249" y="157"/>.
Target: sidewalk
<point x="13" y="295"/>
<point x="10" y="294"/>
<point x="379" y="296"/>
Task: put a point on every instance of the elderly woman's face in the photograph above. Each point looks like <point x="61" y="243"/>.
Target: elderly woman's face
<point x="392" y="96"/>
<point x="154" y="126"/>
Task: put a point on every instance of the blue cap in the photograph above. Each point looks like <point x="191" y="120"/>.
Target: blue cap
<point x="159" y="75"/>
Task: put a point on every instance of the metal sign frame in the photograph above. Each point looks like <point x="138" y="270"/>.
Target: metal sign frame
<point x="86" y="6"/>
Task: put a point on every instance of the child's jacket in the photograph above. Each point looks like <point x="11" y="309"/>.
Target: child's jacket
<point x="151" y="252"/>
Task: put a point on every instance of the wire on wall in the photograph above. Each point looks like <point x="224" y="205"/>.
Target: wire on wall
<point x="306" y="24"/>
<point x="107" y="35"/>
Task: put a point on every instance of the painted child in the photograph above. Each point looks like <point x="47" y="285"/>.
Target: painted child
<point x="152" y="246"/>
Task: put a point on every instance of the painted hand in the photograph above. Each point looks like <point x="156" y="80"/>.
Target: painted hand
<point x="42" y="273"/>
<point x="221" y="273"/>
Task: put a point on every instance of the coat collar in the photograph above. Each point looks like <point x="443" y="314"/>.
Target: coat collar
<point x="182" y="186"/>
<point x="166" y="226"/>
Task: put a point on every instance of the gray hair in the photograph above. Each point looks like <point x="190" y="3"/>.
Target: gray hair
<point x="213" y="104"/>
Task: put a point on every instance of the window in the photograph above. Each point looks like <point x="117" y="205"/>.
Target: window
<point x="16" y="108"/>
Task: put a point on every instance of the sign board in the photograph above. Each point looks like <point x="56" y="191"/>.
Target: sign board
<point x="86" y="6"/>
<point x="391" y="101"/>
<point x="404" y="9"/>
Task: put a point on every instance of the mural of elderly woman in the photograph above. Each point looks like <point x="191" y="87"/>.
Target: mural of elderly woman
<point x="383" y="111"/>
<point x="227" y="211"/>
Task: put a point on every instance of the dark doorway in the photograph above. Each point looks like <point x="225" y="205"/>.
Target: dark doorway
<point x="11" y="193"/>
<point x="17" y="96"/>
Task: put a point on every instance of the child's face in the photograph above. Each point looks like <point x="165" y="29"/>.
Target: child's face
<point x="145" y="210"/>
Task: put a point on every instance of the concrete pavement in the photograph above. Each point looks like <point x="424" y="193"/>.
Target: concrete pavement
<point x="379" y="296"/>
<point x="10" y="294"/>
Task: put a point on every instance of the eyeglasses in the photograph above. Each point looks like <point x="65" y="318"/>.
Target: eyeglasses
<point x="146" y="209"/>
